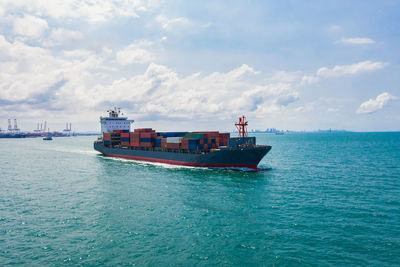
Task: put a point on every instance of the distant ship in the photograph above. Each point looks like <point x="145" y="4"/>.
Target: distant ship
<point x="12" y="135"/>
<point x="197" y="149"/>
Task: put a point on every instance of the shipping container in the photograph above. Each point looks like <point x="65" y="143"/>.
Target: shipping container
<point x="125" y="139"/>
<point x="173" y="145"/>
<point x="147" y="140"/>
<point x="174" y="139"/>
<point x="147" y="144"/>
<point x="144" y="130"/>
<point x="148" y="135"/>
<point x="172" y="134"/>
<point x="125" y="144"/>
<point x="194" y="135"/>
<point x="125" y="135"/>
<point x="135" y="144"/>
<point x="158" y="142"/>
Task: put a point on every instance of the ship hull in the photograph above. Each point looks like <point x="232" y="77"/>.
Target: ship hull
<point x="223" y="158"/>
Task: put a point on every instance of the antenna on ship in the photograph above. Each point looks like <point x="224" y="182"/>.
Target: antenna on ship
<point x="242" y="126"/>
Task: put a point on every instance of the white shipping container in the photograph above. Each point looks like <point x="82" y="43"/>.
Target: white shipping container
<point x="175" y="140"/>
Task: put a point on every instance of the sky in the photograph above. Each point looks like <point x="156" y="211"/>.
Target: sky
<point x="199" y="65"/>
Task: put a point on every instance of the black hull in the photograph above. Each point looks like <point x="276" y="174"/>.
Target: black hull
<point x="223" y="158"/>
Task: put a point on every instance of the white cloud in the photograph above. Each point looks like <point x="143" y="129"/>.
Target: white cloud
<point x="90" y="10"/>
<point x="61" y="36"/>
<point x="376" y="104"/>
<point x="160" y="91"/>
<point x="356" y="41"/>
<point x="170" y="23"/>
<point x="135" y="53"/>
<point x="34" y="80"/>
<point x="30" y="26"/>
<point x="342" y="70"/>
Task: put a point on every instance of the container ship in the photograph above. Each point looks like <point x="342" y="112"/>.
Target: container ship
<point x="210" y="149"/>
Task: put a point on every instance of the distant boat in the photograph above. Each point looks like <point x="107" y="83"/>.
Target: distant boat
<point x="48" y="137"/>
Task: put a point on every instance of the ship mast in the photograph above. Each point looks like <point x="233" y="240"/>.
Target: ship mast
<point x="242" y="126"/>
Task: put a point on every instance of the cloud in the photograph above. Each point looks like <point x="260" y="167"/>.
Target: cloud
<point x="30" y="26"/>
<point x="162" y="92"/>
<point x="93" y="11"/>
<point x="34" y="80"/>
<point x="30" y="73"/>
<point x="170" y="23"/>
<point x="376" y="104"/>
<point x="135" y="53"/>
<point x="356" y="41"/>
<point x="343" y="70"/>
<point x="61" y="36"/>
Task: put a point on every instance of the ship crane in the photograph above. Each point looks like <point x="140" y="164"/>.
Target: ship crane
<point x="16" y="129"/>
<point x="242" y="126"/>
<point x="10" y="129"/>
<point x="67" y="129"/>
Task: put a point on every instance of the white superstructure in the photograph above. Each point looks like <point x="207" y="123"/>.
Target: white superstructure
<point x="114" y="121"/>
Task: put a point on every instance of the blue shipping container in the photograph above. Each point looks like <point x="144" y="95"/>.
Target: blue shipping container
<point x="124" y="139"/>
<point x="194" y="141"/>
<point x="173" y="134"/>
<point x="147" y="140"/>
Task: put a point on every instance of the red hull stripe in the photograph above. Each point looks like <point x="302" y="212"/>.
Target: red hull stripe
<point x="183" y="163"/>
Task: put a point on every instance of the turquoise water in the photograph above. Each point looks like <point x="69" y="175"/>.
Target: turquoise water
<point x="327" y="199"/>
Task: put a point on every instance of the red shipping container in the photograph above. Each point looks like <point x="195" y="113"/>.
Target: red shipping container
<point x="148" y="135"/>
<point x="144" y="130"/>
<point x="173" y="145"/>
<point x="107" y="136"/>
<point x="185" y="143"/>
<point x="125" y="134"/>
<point x="146" y="144"/>
<point x="135" y="144"/>
<point x="125" y="144"/>
<point x="118" y="131"/>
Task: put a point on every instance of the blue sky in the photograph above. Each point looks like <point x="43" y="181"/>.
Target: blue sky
<point x="191" y="65"/>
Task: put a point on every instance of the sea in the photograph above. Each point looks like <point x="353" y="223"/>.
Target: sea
<point x="322" y="199"/>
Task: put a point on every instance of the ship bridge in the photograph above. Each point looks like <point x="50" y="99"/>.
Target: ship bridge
<point x="114" y="121"/>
